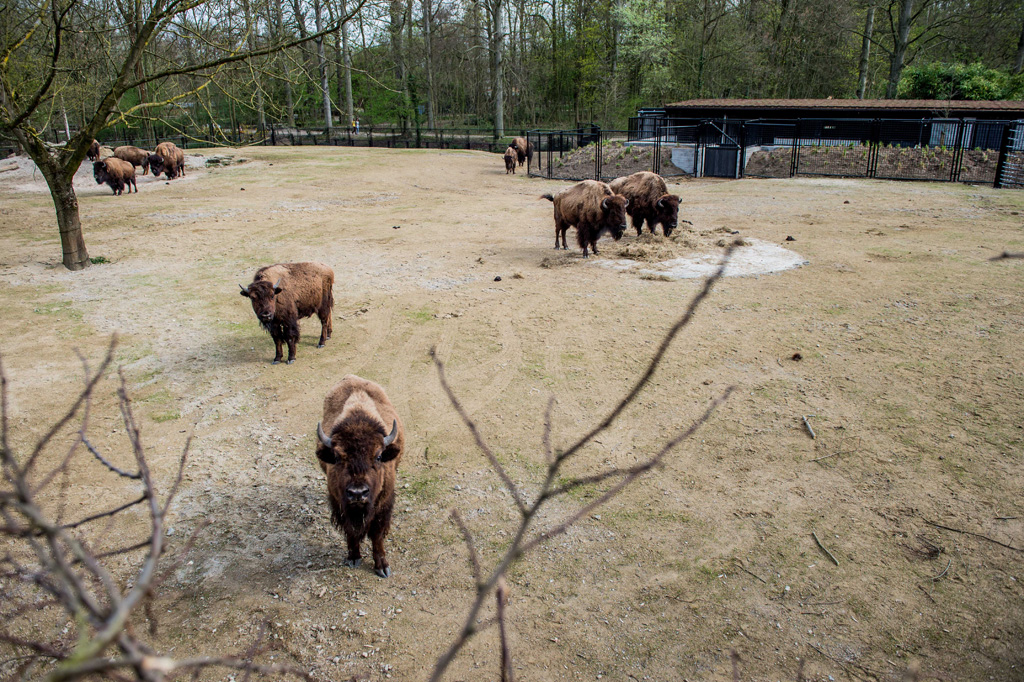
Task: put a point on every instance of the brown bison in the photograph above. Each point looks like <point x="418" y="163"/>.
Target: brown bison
<point x="360" y="441"/>
<point x="94" y="151"/>
<point x="649" y="201"/>
<point x="510" y="160"/>
<point x="284" y="293"/>
<point x="116" y="173"/>
<point x="593" y="208"/>
<point x="523" y="147"/>
<point x="167" y="159"/>
<point x="134" y="156"/>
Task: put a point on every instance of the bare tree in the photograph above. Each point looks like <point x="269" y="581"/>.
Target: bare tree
<point x="865" y="53"/>
<point x="526" y="536"/>
<point x="55" y="569"/>
<point x="38" y="60"/>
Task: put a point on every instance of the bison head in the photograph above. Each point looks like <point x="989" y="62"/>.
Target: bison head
<point x="357" y="450"/>
<point x="156" y="164"/>
<point x="99" y="171"/>
<point x="667" y="208"/>
<point x="614" y="209"/>
<point x="262" y="295"/>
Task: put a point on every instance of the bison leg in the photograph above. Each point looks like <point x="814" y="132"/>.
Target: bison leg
<point x="293" y="339"/>
<point x="354" y="557"/>
<point x="638" y="223"/>
<point x="279" y="346"/>
<point x="378" y="530"/>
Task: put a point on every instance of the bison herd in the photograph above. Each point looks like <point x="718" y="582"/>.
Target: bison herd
<point x="117" y="168"/>
<point x="360" y="437"/>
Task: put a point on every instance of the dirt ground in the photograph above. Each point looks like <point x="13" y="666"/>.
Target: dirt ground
<point x="911" y="370"/>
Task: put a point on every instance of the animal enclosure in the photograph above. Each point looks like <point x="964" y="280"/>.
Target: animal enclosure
<point x="900" y="343"/>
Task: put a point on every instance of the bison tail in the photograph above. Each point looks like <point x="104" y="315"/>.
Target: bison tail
<point x="548" y="197"/>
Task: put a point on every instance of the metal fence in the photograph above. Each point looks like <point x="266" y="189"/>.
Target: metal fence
<point x="480" y="139"/>
<point x="950" y="150"/>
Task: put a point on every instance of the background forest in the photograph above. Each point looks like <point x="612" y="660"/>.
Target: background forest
<point x="514" y="63"/>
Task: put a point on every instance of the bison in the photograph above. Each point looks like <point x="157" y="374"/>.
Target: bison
<point x="510" y="160"/>
<point x="649" y="201"/>
<point x="116" y="173"/>
<point x="593" y="208"/>
<point x="94" y="151"/>
<point x="523" y="147"/>
<point x="360" y="441"/>
<point x="167" y="159"/>
<point x="134" y="156"/>
<point x="284" y="293"/>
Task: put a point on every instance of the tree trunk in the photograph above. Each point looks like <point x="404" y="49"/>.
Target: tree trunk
<point x="325" y="89"/>
<point x="396" y="29"/>
<point x="65" y="202"/>
<point x="498" y="59"/>
<point x="251" y="40"/>
<point x="427" y="10"/>
<point x="1018" y="63"/>
<point x="346" y="54"/>
<point x="289" y="102"/>
<point x="899" y="53"/>
<point x="865" y="53"/>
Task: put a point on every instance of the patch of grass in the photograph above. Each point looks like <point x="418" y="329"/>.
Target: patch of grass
<point x="61" y="309"/>
<point x="169" y="415"/>
<point x="424" y="488"/>
<point x="423" y="315"/>
<point x="98" y="260"/>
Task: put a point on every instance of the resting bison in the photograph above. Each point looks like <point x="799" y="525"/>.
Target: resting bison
<point x="649" y="201"/>
<point x="360" y="446"/>
<point x="94" y="151"/>
<point x="523" y="147"/>
<point x="510" y="160"/>
<point x="134" y="156"/>
<point x="116" y="173"/>
<point x="284" y="293"/>
<point x="593" y="208"/>
<point x="167" y="159"/>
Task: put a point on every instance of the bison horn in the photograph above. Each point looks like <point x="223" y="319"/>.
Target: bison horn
<point x="322" y="436"/>
<point x="604" y="205"/>
<point x="661" y="203"/>
<point x="390" y="438"/>
<point x="244" y="290"/>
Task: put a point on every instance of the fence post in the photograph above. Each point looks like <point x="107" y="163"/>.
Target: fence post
<point x="741" y="162"/>
<point x="794" y="161"/>
<point x="874" y="145"/>
<point x="1004" y="150"/>
<point x="958" y="151"/>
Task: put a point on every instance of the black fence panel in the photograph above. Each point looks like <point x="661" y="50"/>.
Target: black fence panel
<point x="769" y="149"/>
<point x="1010" y="171"/>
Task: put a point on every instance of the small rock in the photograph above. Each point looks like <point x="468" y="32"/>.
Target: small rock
<point x="735" y="232"/>
<point x="458" y="487"/>
<point x="243" y="189"/>
<point x="797" y="356"/>
<point x="790" y="239"/>
<point x="170" y="532"/>
<point x="396" y="227"/>
<point x="708" y="382"/>
<point x="847" y="201"/>
<point x="498" y="278"/>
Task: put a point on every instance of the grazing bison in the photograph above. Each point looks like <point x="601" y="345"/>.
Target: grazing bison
<point x="510" y="160"/>
<point x="94" y="151"/>
<point x="523" y="147"/>
<point x="134" y="156"/>
<point x="649" y="201"/>
<point x="284" y="293"/>
<point x="116" y="173"/>
<point x="593" y="208"/>
<point x="360" y="446"/>
<point x="167" y="159"/>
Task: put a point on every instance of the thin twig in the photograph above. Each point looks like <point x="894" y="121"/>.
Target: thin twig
<point x="977" y="535"/>
<point x="950" y="563"/>
<point x="834" y="560"/>
<point x="104" y="462"/>
<point x="471" y="425"/>
<point x="500" y="593"/>
<point x="930" y="598"/>
<point x="743" y="568"/>
<point x="809" y="429"/>
<point x="468" y="538"/>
